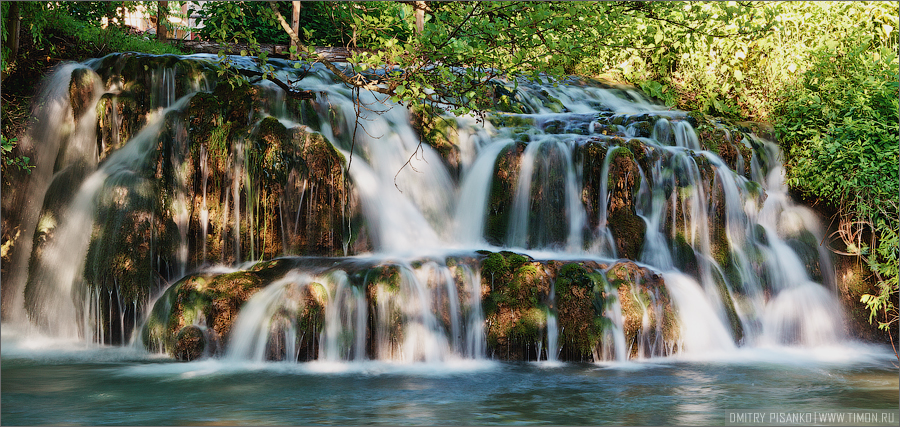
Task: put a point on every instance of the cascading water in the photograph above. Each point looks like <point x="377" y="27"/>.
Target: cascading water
<point x="578" y="174"/>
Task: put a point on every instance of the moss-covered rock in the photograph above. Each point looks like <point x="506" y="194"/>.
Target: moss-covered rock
<point x="627" y="228"/>
<point x="115" y="122"/>
<point x="438" y="132"/>
<point x="579" y="306"/>
<point x="516" y="304"/>
<point x="210" y="304"/>
<point x="503" y="189"/>
<point x="81" y="91"/>
<point x="193" y="342"/>
<point x="591" y="156"/>
<point x="649" y="321"/>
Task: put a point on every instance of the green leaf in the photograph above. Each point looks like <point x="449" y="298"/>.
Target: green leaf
<point x="658" y="37"/>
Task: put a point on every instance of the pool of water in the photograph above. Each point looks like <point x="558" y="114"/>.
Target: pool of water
<point x="65" y="383"/>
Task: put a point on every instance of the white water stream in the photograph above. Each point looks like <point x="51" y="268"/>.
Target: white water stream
<point x="416" y="210"/>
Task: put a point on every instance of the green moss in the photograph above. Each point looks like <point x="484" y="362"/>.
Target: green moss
<point x="638" y="152"/>
<point x="580" y="305"/>
<point x="385" y="275"/>
<point x="503" y="184"/>
<point x="683" y="255"/>
<point x="805" y="245"/>
<point x="438" y="132"/>
<point x="642" y="129"/>
<point x="515" y="260"/>
<point x="622" y="151"/>
<point x="309" y="115"/>
<point x="272" y="157"/>
<point x="531" y="324"/>
<point x="552" y="103"/>
<point x="510" y="120"/>
<point x="515" y="308"/>
<point x="495" y="264"/>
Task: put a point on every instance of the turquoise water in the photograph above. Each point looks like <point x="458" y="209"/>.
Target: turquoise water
<point x="71" y="384"/>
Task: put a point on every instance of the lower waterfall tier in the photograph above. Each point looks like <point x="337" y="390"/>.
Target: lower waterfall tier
<point x="499" y="305"/>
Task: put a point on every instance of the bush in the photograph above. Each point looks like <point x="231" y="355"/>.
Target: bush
<point x="358" y="24"/>
<point x="838" y="127"/>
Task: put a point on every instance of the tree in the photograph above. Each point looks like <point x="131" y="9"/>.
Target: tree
<point x="32" y="16"/>
<point x="11" y="33"/>
<point x="465" y="45"/>
<point x="162" y="8"/>
<point x="295" y="26"/>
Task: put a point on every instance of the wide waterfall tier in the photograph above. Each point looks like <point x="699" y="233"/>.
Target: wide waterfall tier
<point x="578" y="221"/>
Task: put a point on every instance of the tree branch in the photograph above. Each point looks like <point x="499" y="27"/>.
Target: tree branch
<point x="356" y="81"/>
<point x="293" y="93"/>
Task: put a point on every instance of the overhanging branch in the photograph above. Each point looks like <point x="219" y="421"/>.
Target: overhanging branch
<point x="356" y="81"/>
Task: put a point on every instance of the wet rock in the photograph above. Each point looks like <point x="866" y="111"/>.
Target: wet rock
<point x="641" y="129"/>
<point x="210" y="303"/>
<point x="580" y="299"/>
<point x="590" y="156"/>
<point x="204" y="301"/>
<point x="193" y="342"/>
<point x="649" y="321"/>
<point x="438" y="132"/>
<point x="503" y="189"/>
<point x="81" y="91"/>
<point x="515" y="305"/>
<point x="627" y="227"/>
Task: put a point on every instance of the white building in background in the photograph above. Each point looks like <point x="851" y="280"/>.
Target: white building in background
<point x="181" y="25"/>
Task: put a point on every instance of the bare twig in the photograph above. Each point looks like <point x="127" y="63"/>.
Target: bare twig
<point x="408" y="163"/>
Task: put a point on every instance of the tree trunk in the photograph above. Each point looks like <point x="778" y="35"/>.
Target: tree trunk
<point x="161" y="13"/>
<point x="12" y="37"/>
<point x="420" y="16"/>
<point x="295" y="25"/>
<point x="111" y="12"/>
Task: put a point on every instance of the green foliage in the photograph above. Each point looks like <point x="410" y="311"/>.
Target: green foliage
<point x="838" y="125"/>
<point x="241" y="22"/>
<point x="80" y="20"/>
<point x="881" y="305"/>
<point x="465" y="45"/>
<point x="33" y="20"/>
<point x="367" y="25"/>
<point x="843" y="117"/>
<point x="690" y="54"/>
<point x="110" y="39"/>
<point x="93" y="12"/>
<point x="22" y="162"/>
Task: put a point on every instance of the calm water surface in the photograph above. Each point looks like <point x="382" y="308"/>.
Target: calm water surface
<point x="120" y="386"/>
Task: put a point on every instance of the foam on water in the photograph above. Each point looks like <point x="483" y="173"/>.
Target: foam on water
<point x="418" y="214"/>
<point x="213" y="367"/>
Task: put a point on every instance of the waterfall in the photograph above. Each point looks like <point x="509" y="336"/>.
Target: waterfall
<point x="52" y="134"/>
<point x="684" y="244"/>
<point x="267" y="314"/>
<point x="702" y="329"/>
<point x="552" y="337"/>
<point x="475" y="190"/>
<point x="604" y="244"/>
